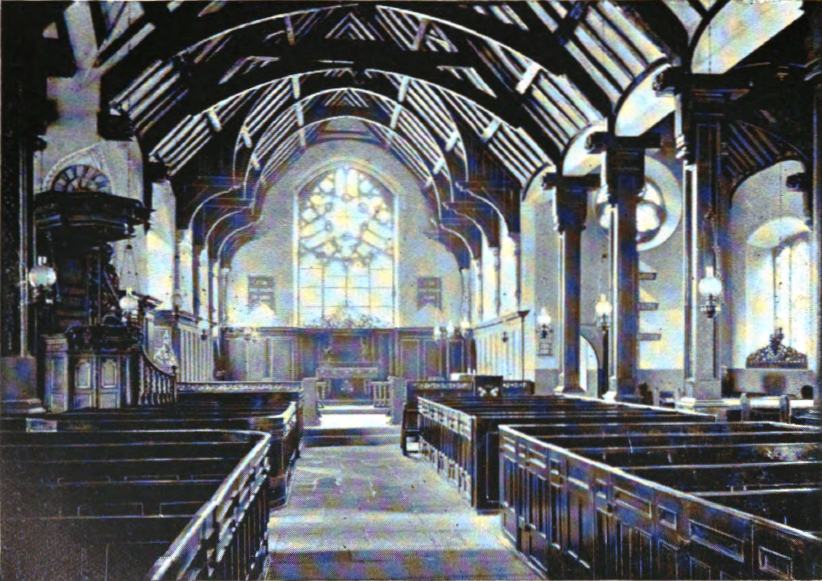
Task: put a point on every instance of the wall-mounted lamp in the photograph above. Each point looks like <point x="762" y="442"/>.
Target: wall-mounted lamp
<point x="603" y="311"/>
<point x="204" y="329"/>
<point x="546" y="333"/>
<point x="42" y="279"/>
<point x="465" y="327"/>
<point x="710" y="288"/>
<point x="176" y="304"/>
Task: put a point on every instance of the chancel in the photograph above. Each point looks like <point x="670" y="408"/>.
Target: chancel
<point x="411" y="290"/>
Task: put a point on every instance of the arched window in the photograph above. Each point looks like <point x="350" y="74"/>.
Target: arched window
<point x="346" y="234"/>
<point x="792" y="291"/>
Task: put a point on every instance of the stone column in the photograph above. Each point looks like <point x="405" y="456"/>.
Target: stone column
<point x="495" y="257"/>
<point x="699" y="124"/>
<point x="479" y="292"/>
<point x="570" y="209"/>
<point x="465" y="307"/>
<point x="625" y="176"/>
<point x="517" y="240"/>
<point x="195" y="280"/>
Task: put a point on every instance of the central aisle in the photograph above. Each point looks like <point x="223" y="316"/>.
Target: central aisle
<point x="368" y="512"/>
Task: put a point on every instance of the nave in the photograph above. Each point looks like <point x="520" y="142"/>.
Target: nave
<point x="368" y="512"/>
<point x="561" y="257"/>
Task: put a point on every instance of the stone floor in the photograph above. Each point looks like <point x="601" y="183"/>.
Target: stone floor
<point x="367" y="512"/>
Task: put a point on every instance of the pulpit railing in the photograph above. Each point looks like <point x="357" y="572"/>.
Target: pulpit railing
<point x="381" y="394"/>
<point x="156" y="386"/>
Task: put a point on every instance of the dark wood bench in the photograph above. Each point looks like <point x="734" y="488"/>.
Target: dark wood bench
<point x="442" y="389"/>
<point x="738" y="507"/>
<point x="277" y="418"/>
<point x="134" y="505"/>
<point x="460" y="436"/>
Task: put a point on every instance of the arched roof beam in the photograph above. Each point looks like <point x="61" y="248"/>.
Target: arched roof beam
<point x="456" y="166"/>
<point x="421" y="67"/>
<point x="439" y="181"/>
<point x="183" y="28"/>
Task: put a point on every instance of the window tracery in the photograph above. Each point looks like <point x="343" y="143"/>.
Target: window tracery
<point x="346" y="252"/>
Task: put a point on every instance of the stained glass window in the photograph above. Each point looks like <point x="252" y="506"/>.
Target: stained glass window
<point x="346" y="252"/>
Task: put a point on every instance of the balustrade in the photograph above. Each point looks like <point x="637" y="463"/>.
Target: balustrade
<point x="156" y="387"/>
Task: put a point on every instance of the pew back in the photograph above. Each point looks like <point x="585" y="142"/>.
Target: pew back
<point x="115" y="505"/>
<point x="693" y="511"/>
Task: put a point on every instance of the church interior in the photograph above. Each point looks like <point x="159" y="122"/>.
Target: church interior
<point x="323" y="307"/>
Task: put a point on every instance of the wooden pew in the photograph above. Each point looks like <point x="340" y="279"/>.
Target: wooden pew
<point x="134" y="505"/>
<point x="277" y="418"/>
<point x="460" y="435"/>
<point x="740" y="507"/>
<point x="443" y="389"/>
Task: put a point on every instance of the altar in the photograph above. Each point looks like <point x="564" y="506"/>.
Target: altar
<point x="348" y="382"/>
<point x="348" y="363"/>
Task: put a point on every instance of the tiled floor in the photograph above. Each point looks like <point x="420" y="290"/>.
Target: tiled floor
<point x="367" y="512"/>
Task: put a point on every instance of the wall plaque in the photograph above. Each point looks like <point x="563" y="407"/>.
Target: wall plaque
<point x="260" y="291"/>
<point x="429" y="291"/>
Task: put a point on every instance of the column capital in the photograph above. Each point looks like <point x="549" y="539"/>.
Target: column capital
<point x="571" y="199"/>
<point x="803" y="182"/>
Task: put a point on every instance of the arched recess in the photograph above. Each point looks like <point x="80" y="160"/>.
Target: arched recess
<point x="771" y="274"/>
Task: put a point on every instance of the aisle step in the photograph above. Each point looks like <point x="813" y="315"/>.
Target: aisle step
<point x="315" y="437"/>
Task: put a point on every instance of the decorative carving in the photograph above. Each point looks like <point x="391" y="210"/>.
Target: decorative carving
<point x="328" y="372"/>
<point x="103" y="338"/>
<point x="777" y="355"/>
<point x="239" y="387"/>
<point x="344" y="320"/>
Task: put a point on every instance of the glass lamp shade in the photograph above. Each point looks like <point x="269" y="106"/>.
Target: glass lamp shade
<point x="129" y="303"/>
<point x="437" y="332"/>
<point x="449" y="329"/>
<point x="42" y="275"/>
<point x="543" y="318"/>
<point x="710" y="286"/>
<point x="603" y="308"/>
<point x="465" y="325"/>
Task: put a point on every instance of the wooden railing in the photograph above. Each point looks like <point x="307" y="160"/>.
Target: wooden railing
<point x="323" y="390"/>
<point x="381" y="393"/>
<point x="237" y="386"/>
<point x="156" y="386"/>
<point x="227" y="538"/>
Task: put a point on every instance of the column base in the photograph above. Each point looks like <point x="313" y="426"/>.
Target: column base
<point x="569" y="390"/>
<point x="623" y="390"/>
<point x="703" y="389"/>
<point x="18" y="386"/>
<point x="717" y="407"/>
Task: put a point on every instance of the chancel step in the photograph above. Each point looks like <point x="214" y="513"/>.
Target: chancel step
<point x="371" y="436"/>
